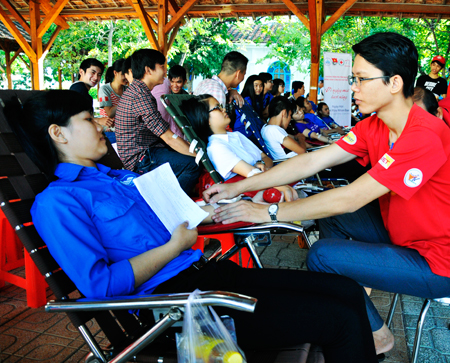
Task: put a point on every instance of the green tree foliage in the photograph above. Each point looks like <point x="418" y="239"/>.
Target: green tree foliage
<point x="83" y="40"/>
<point x="200" y="46"/>
<point x="291" y="44"/>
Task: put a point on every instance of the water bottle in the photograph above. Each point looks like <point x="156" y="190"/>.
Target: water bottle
<point x="216" y="351"/>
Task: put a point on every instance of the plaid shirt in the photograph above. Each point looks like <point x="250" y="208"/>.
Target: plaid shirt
<point x="139" y="125"/>
<point x="214" y="87"/>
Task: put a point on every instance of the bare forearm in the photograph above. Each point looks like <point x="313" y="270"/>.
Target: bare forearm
<point x="149" y="263"/>
<point x="180" y="145"/>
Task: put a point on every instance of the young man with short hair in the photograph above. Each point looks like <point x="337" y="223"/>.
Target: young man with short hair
<point x="178" y="79"/>
<point x="274" y="132"/>
<point x="144" y="138"/>
<point x="405" y="248"/>
<point x="432" y="80"/>
<point x="89" y="74"/>
<point x="221" y="87"/>
<point x="298" y="90"/>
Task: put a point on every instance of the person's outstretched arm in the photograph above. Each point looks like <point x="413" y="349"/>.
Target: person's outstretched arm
<point x="333" y="202"/>
<point x="289" y="171"/>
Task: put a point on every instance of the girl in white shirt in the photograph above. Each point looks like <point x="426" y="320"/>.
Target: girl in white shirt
<point x="231" y="153"/>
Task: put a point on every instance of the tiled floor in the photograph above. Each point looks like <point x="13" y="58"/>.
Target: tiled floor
<point x="31" y="335"/>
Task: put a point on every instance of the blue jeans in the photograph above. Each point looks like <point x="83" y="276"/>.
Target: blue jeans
<point x="183" y="166"/>
<point x="372" y="260"/>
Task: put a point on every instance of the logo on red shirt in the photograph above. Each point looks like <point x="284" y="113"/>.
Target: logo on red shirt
<point x="350" y="138"/>
<point x="106" y="98"/>
<point x="386" y="161"/>
<point x="413" y="178"/>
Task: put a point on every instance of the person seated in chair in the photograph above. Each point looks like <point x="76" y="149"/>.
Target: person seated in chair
<point x="253" y="94"/>
<point x="323" y="111"/>
<point x="274" y="132"/>
<point x="231" y="153"/>
<point x="307" y="128"/>
<point x="403" y="246"/>
<point x="110" y="242"/>
<point x="144" y="139"/>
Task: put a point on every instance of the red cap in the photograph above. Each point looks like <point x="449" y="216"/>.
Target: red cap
<point x="440" y="59"/>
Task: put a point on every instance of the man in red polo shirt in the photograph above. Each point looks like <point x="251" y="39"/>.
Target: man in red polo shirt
<point x="406" y="247"/>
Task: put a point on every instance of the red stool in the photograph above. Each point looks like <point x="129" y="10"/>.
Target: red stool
<point x="226" y="239"/>
<point x="12" y="257"/>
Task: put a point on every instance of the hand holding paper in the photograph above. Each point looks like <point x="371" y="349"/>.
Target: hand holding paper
<point x="162" y="192"/>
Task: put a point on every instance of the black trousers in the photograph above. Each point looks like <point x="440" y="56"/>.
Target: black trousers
<point x="293" y="307"/>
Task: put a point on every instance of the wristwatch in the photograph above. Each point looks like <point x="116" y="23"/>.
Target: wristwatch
<point x="273" y="210"/>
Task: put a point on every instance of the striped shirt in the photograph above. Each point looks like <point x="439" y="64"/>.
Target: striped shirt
<point x="214" y="87"/>
<point x="139" y="124"/>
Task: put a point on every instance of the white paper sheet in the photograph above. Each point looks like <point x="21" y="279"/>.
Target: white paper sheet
<point x="162" y="192"/>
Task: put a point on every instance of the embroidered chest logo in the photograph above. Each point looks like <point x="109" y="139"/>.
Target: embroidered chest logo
<point x="386" y="161"/>
<point x="350" y="138"/>
<point x="128" y="180"/>
<point x="413" y="178"/>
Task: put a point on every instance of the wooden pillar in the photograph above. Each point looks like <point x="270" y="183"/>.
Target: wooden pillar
<point x="8" y="67"/>
<point x="60" y="78"/>
<point x="162" y="21"/>
<point x="315" y="8"/>
<point x="37" y="65"/>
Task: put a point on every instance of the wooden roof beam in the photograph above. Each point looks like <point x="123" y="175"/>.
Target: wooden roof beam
<point x="389" y="9"/>
<point x="178" y="17"/>
<point x="17" y="35"/>
<point x="145" y="21"/>
<point x="16" y="54"/>
<point x="51" y="40"/>
<point x="51" y="17"/>
<point x="17" y="16"/>
<point x="335" y="17"/>
<point x="292" y="7"/>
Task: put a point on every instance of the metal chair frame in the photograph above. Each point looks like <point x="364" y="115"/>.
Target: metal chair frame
<point x="420" y="322"/>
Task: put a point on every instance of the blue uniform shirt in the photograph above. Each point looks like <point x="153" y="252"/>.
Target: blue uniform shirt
<point x="329" y="121"/>
<point x="315" y="120"/>
<point x="93" y="221"/>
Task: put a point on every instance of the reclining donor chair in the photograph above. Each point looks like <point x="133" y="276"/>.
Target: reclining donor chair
<point x="130" y="335"/>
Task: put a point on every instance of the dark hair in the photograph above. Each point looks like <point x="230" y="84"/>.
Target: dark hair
<point x="266" y="77"/>
<point x="89" y="62"/>
<point x="428" y="99"/>
<point x="393" y="54"/>
<point x="30" y="122"/>
<point x="145" y="58"/>
<point x="296" y="85"/>
<point x="279" y="104"/>
<point x="177" y="71"/>
<point x="320" y="107"/>
<point x="301" y="101"/>
<point x="277" y="82"/>
<point x="126" y="66"/>
<point x="196" y="110"/>
<point x="234" y="61"/>
<point x="116" y="66"/>
<point x="249" y="91"/>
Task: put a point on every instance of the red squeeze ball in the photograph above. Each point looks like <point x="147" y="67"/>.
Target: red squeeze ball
<point x="272" y="195"/>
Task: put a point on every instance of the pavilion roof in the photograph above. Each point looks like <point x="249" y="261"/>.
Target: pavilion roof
<point x="7" y="40"/>
<point x="98" y="10"/>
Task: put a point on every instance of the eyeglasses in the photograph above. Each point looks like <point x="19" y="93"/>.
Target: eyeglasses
<point x="358" y="80"/>
<point x="218" y="107"/>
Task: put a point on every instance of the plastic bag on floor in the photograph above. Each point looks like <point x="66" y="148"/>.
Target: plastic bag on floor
<point x="204" y="338"/>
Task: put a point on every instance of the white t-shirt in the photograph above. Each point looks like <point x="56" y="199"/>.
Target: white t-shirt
<point x="226" y="150"/>
<point x="273" y="136"/>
